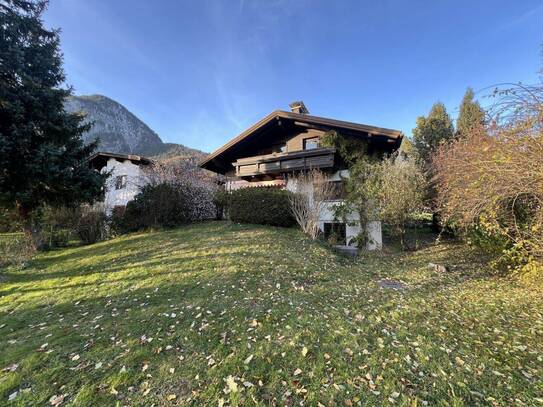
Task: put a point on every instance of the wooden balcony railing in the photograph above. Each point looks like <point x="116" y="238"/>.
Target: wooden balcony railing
<point x="285" y="162"/>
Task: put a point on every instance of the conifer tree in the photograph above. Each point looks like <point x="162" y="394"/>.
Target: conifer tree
<point x="432" y="131"/>
<point x="471" y="115"/>
<point x="42" y="155"/>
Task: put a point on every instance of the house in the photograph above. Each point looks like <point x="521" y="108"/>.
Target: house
<point x="283" y="143"/>
<point x="128" y="174"/>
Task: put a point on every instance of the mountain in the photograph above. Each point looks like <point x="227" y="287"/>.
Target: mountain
<point x="120" y="131"/>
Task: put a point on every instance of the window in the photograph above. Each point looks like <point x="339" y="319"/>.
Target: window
<point x="311" y="143"/>
<point x="120" y="182"/>
<point x="335" y="233"/>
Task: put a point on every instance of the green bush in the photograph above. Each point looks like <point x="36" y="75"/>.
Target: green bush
<point x="166" y="205"/>
<point x="162" y="205"/>
<point x="264" y="206"/>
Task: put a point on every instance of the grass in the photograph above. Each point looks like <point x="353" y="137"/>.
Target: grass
<point x="222" y="314"/>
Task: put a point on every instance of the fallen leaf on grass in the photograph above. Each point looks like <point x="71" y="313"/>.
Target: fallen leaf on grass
<point x="232" y="385"/>
<point x="11" y="368"/>
<point x="57" y="400"/>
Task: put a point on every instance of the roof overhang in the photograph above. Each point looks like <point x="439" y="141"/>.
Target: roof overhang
<point x="212" y="161"/>
<point x="99" y="159"/>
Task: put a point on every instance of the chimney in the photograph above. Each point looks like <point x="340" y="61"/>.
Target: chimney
<point x="298" y="107"/>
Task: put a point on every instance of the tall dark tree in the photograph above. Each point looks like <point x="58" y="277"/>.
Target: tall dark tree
<point x="432" y="131"/>
<point x="471" y="115"/>
<point x="42" y="155"/>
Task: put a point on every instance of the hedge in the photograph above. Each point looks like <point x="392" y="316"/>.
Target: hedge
<point x="263" y="206"/>
<point x="166" y="205"/>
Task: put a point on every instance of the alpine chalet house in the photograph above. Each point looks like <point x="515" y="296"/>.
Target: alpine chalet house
<point x="284" y="143"/>
<point x="128" y="174"/>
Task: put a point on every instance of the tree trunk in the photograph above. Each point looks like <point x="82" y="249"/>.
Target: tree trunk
<point x="436" y="222"/>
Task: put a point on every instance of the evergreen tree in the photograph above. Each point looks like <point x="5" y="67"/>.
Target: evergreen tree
<point x="431" y="131"/>
<point x="42" y="155"/>
<point x="471" y="114"/>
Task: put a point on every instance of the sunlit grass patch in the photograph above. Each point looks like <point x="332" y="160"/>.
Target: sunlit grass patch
<point x="222" y="313"/>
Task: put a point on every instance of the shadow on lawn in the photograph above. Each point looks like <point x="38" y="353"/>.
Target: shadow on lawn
<point x="132" y="252"/>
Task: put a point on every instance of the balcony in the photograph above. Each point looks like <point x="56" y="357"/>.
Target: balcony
<point x="285" y="162"/>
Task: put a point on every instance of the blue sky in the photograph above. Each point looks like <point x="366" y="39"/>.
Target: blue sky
<point x="200" y="72"/>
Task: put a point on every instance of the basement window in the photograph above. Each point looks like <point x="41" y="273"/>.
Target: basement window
<point x="120" y="182"/>
<point x="335" y="233"/>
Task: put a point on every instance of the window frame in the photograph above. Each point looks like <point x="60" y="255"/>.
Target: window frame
<point x="315" y="139"/>
<point x="120" y="182"/>
<point x="330" y="228"/>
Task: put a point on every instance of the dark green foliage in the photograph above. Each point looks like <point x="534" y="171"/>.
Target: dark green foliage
<point x="10" y="221"/>
<point x="263" y="206"/>
<point x="471" y="115"/>
<point x="164" y="205"/>
<point x="42" y="155"/>
<point x="350" y="149"/>
<point x="220" y="199"/>
<point x="432" y="131"/>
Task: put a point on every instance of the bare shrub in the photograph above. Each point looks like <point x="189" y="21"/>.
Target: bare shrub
<point x="310" y="191"/>
<point x="490" y="183"/>
<point x="15" y="249"/>
<point x="92" y="225"/>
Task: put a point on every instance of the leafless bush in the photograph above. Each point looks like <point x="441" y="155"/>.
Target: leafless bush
<point x="15" y="249"/>
<point x="92" y="225"/>
<point x="516" y="103"/>
<point x="310" y="191"/>
<point x="491" y="181"/>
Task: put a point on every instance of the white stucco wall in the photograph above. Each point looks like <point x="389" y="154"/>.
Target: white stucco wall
<point x="136" y="177"/>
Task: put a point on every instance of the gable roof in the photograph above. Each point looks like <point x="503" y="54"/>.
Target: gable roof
<point x="303" y="118"/>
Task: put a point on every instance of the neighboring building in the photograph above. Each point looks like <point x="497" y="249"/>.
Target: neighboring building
<point x="284" y="143"/>
<point x="128" y="174"/>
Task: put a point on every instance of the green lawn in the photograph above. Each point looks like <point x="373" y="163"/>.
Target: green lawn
<point x="220" y="314"/>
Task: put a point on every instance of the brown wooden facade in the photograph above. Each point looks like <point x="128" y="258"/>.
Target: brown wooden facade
<point x="284" y="142"/>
